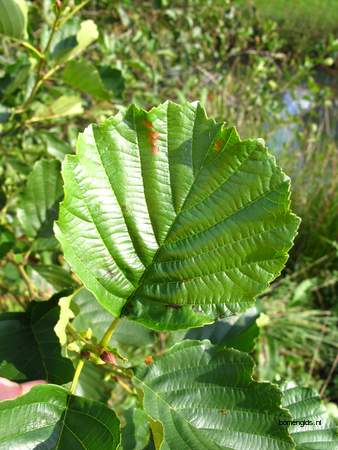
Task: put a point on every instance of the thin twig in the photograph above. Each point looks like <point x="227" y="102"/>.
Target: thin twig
<point x="25" y="277"/>
<point x="73" y="12"/>
<point x="38" y="81"/>
<point x="328" y="379"/>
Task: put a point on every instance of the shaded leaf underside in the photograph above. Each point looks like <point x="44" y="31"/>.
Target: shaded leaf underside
<point x="167" y="209"/>
<point x="29" y="343"/>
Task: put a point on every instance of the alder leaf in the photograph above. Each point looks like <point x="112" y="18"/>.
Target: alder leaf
<point x="50" y="418"/>
<point x="13" y="18"/>
<point x="65" y="316"/>
<point x="84" y="76"/>
<point x="50" y="278"/>
<point x="92" y="384"/>
<point x="170" y="219"/>
<point x="239" y="332"/>
<point x="305" y="406"/>
<point x="102" y="83"/>
<point x="7" y="241"/>
<point x="206" y="399"/>
<point x="29" y="343"/>
<point x="64" y="106"/>
<point x="55" y="146"/>
<point x="40" y="199"/>
<point x="74" y="44"/>
<point x="135" y="435"/>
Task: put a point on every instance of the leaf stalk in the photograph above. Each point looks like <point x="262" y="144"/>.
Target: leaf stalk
<point x="77" y="374"/>
<point x="108" y="334"/>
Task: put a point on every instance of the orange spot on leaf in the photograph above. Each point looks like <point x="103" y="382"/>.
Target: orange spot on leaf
<point x="152" y="137"/>
<point x="218" y="145"/>
<point x="148" y="124"/>
<point x="148" y="360"/>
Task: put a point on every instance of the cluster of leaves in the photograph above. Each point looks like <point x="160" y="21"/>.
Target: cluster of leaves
<point x="167" y="222"/>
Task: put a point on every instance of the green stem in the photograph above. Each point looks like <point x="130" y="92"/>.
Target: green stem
<point x="77" y="373"/>
<point x="21" y="268"/>
<point x="30" y="286"/>
<point x="26" y="44"/>
<point x="39" y="79"/>
<point x="73" y="12"/>
<point x="32" y="48"/>
<point x="103" y="344"/>
<point x="108" y="334"/>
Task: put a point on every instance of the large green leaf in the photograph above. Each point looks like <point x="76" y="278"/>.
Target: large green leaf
<point x="13" y="18"/>
<point x="49" y="418"/>
<point x="206" y="399"/>
<point x="40" y="200"/>
<point x="29" y="343"/>
<point x="166" y="209"/>
<point x="313" y="429"/>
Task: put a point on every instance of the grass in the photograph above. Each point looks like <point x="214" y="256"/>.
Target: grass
<point x="307" y="18"/>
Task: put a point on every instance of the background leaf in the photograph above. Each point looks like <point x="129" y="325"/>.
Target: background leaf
<point x="113" y="80"/>
<point x="66" y="105"/>
<point x="40" y="199"/>
<point x="29" y="343"/>
<point x="135" y="435"/>
<point x="206" y="399"/>
<point x="102" y="83"/>
<point x="239" y="332"/>
<point x="204" y="221"/>
<point x="90" y="314"/>
<point x="64" y="422"/>
<point x="84" y="76"/>
<point x="92" y="384"/>
<point x="74" y="44"/>
<point x="56" y="147"/>
<point x="50" y="278"/>
<point x="7" y="240"/>
<point x="13" y="18"/>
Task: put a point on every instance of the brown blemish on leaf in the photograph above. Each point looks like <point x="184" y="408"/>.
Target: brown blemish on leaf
<point x="218" y="145"/>
<point x="152" y="137"/>
<point x="173" y="306"/>
<point x="223" y="412"/>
